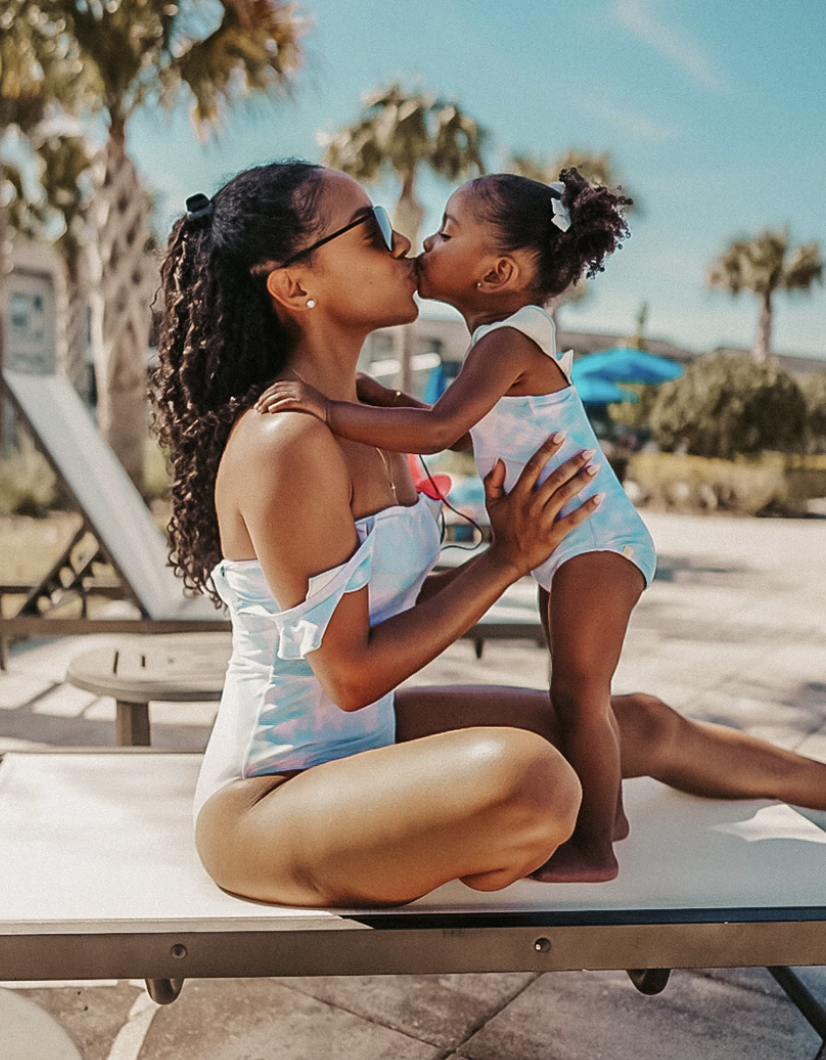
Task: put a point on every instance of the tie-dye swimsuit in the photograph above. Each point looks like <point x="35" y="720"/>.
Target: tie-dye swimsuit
<point x="515" y="428"/>
<point x="275" y="715"/>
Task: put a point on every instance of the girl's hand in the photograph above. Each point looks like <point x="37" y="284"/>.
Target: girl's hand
<point x="299" y="397"/>
<point x="525" y="522"/>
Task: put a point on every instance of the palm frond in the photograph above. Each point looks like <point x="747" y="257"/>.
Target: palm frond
<point x="804" y="269"/>
<point x="256" y="48"/>
<point x="398" y="129"/>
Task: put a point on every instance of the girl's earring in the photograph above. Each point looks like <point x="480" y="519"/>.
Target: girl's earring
<point x="311" y="303"/>
<point x="478" y="283"/>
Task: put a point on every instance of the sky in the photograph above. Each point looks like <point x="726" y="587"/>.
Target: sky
<point x="714" y="115"/>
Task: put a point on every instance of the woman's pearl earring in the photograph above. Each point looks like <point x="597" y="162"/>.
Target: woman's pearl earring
<point x="311" y="303"/>
<point x="478" y="283"/>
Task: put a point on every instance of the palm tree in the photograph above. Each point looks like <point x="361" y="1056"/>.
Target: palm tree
<point x="65" y="178"/>
<point x="762" y="265"/>
<point x="144" y="53"/>
<point x="593" y="166"/>
<point x="399" y="132"/>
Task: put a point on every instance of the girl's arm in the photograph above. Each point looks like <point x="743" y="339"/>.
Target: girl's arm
<point x="371" y="392"/>
<point x="297" y="512"/>
<point x="491" y="368"/>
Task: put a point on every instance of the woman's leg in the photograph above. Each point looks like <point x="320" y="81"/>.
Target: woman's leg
<point x="486" y="804"/>
<point x="590" y="604"/>
<point x="716" y="761"/>
<point x="701" y="758"/>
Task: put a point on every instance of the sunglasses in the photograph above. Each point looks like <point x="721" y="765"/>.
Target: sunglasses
<point x="376" y="213"/>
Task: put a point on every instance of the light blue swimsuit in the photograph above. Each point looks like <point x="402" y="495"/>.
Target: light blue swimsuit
<point x="515" y="428"/>
<point x="274" y="714"/>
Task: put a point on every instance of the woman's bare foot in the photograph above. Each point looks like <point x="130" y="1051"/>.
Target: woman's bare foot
<point x="574" y="863"/>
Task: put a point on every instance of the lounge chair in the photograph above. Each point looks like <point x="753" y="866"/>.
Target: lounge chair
<point x="117" y="528"/>
<point x="101" y="880"/>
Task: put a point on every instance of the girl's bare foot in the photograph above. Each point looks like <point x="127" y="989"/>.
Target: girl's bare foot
<point x="621" y="825"/>
<point x="574" y="863"/>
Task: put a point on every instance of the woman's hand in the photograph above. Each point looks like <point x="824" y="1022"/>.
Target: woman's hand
<point x="525" y="522"/>
<point x="295" y="397"/>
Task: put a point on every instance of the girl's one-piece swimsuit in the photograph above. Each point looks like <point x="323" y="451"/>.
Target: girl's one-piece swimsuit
<point x="274" y="714"/>
<point x="515" y="428"/>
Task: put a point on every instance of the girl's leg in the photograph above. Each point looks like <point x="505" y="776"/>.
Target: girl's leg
<point x="621" y="826"/>
<point x="481" y="803"/>
<point x="711" y="760"/>
<point x="590" y="605"/>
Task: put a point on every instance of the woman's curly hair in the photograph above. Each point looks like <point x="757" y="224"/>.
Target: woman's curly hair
<point x="220" y="339"/>
<point x="520" y="213"/>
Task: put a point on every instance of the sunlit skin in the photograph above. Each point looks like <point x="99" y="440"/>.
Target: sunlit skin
<point x="594" y="594"/>
<point x="475" y="787"/>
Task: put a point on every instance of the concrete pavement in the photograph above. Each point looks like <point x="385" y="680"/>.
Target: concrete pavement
<point x="733" y="629"/>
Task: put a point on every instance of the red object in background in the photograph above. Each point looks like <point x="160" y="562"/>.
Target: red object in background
<point x="436" y="487"/>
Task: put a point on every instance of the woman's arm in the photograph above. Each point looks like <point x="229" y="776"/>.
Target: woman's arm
<point x="491" y="368"/>
<point x="297" y="512"/>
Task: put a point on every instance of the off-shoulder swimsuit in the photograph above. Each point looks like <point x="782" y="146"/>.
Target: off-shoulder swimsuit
<point x="274" y="714"/>
<point x="515" y="428"/>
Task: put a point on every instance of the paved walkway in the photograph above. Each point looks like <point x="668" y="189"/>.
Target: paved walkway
<point x="734" y="629"/>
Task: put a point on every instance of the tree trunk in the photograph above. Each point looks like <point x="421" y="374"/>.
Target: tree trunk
<point x="121" y="290"/>
<point x="73" y="321"/>
<point x="4" y="267"/>
<point x="407" y="219"/>
<point x="762" y="349"/>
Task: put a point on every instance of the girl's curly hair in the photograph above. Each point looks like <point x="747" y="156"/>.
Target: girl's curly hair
<point x="220" y="339"/>
<point x="519" y="211"/>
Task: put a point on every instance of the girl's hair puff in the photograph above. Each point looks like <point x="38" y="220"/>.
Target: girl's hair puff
<point x="520" y="213"/>
<point x="220" y="339"/>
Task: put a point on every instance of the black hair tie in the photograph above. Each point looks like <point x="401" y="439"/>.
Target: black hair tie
<point x="199" y="207"/>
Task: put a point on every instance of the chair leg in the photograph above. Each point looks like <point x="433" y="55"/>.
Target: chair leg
<point x="132" y="725"/>
<point x="649" y="980"/>
<point x="802" y="998"/>
<point x="164" y="991"/>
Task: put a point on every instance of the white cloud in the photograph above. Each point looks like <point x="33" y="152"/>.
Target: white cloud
<point x="633" y="123"/>
<point x="637" y="18"/>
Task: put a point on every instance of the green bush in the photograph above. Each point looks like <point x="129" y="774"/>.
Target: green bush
<point x="729" y="404"/>
<point x="636" y="416"/>
<point x="813" y="388"/>
<point x="772" y="484"/>
<point x="28" y="486"/>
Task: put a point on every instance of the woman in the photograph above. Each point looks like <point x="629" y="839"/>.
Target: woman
<point x="321" y="786"/>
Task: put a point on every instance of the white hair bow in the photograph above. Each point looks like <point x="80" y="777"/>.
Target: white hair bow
<point x="562" y="215"/>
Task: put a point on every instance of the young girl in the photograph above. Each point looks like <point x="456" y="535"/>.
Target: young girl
<point x="506" y="246"/>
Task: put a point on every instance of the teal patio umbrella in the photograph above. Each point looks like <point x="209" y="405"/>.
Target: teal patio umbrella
<point x="596" y="391"/>
<point x="625" y="364"/>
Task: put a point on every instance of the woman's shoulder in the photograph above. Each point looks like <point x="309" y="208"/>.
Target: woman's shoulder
<point x="281" y="434"/>
<point x="285" y="448"/>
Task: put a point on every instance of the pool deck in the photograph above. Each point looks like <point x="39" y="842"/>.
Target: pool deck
<point x="733" y="630"/>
